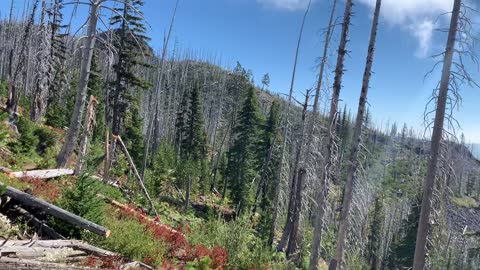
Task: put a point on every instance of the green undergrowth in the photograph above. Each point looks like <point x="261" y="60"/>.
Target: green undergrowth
<point x="466" y="202"/>
<point x="37" y="146"/>
<point x="245" y="249"/>
<point x="131" y="239"/>
<point x="34" y="146"/>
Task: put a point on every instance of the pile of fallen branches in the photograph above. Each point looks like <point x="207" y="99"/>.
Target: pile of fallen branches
<point x="60" y="254"/>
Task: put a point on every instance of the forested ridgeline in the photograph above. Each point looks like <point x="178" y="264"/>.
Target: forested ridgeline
<point x="194" y="165"/>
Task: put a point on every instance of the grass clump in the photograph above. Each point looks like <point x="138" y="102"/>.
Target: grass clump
<point x="465" y="202"/>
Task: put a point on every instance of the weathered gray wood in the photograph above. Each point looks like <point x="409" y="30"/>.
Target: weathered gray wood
<point x="140" y="180"/>
<point x="42" y="226"/>
<point x="354" y="162"/>
<point x="42" y="174"/>
<point x="23" y="264"/>
<point x="89" y="121"/>
<point x="73" y="244"/>
<point x="56" y="211"/>
<point x="437" y="134"/>
<point x="27" y="252"/>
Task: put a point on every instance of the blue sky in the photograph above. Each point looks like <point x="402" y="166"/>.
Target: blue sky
<point x="262" y="34"/>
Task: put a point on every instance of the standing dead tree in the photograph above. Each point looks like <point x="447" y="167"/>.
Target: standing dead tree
<point x="42" y="78"/>
<point x="295" y="236"/>
<point x="87" y="54"/>
<point x="13" y="75"/>
<point x="285" y="120"/>
<point x="285" y="131"/>
<point x="154" y="104"/>
<point x="88" y="124"/>
<point x="355" y="148"/>
<point x="331" y="147"/>
<point x="315" y="114"/>
<point x="459" y="43"/>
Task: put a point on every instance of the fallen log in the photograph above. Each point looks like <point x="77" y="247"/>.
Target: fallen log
<point x="38" y="224"/>
<point x="57" y="254"/>
<point x="32" y="201"/>
<point x="134" y="212"/>
<point x="24" y="264"/>
<point x="41" y="174"/>
<point x="27" y="252"/>
<point x="73" y="244"/>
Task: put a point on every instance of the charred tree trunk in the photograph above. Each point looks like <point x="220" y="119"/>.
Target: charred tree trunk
<point x="356" y="140"/>
<point x="76" y="120"/>
<point x="331" y="146"/>
<point x="423" y="224"/>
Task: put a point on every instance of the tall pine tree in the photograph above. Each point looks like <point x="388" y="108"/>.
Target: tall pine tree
<point x="267" y="184"/>
<point x="131" y="44"/>
<point x="403" y="248"/>
<point x="194" y="145"/>
<point x="243" y="160"/>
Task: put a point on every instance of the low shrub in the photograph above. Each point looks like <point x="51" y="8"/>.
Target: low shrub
<point x="130" y="238"/>
<point x="465" y="202"/>
<point x="47" y="139"/>
<point x="80" y="199"/>
<point x="244" y="249"/>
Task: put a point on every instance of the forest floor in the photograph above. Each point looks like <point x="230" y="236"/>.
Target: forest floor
<point x="199" y="238"/>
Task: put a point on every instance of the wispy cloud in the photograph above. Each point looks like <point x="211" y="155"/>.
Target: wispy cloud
<point x="423" y="31"/>
<point x="416" y="16"/>
<point x="285" y="4"/>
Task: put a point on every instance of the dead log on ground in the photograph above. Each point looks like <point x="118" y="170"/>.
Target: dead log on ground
<point x="38" y="224"/>
<point x="73" y="244"/>
<point x="135" y="212"/>
<point x="47" y="254"/>
<point x="32" y="201"/>
<point x="41" y="174"/>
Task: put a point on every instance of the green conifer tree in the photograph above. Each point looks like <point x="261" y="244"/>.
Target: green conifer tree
<point x="376" y="226"/>
<point x="403" y="247"/>
<point x="243" y="157"/>
<point x="180" y="122"/>
<point x="270" y="138"/>
<point x="131" y="44"/>
<point x="194" y="144"/>
<point x="133" y="132"/>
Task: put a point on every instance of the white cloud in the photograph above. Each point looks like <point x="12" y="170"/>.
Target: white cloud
<point x="286" y="4"/>
<point x="423" y="32"/>
<point x="416" y="16"/>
